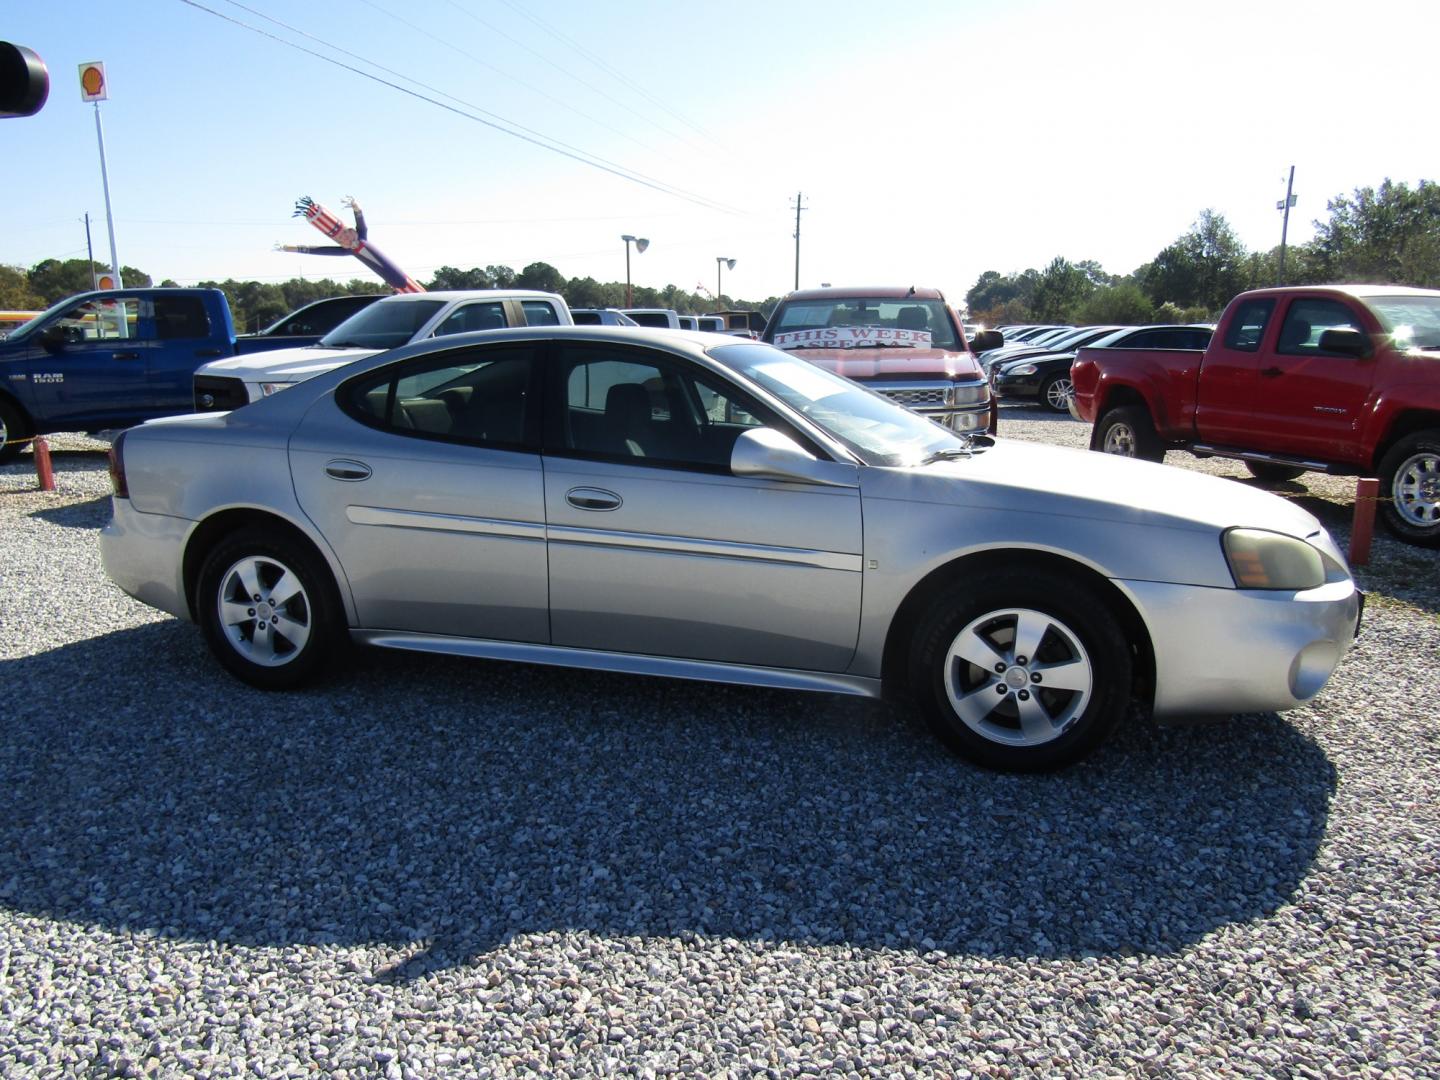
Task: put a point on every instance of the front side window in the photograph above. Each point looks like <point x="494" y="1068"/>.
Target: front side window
<point x="1307" y="320"/>
<point x="480" y="396"/>
<point x="631" y="405"/>
<point x="471" y="317"/>
<point x="101" y="320"/>
<point x="1247" y="327"/>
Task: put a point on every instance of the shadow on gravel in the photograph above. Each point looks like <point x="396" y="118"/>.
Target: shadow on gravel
<point x="439" y="807"/>
<point x="91" y="514"/>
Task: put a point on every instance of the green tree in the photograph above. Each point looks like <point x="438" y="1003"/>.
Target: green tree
<point x="1388" y="235"/>
<point x="1205" y="267"/>
<point x="55" y="280"/>
<point x="540" y="275"/>
<point x="448" y="277"/>
<point x="16" y="293"/>
<point x="1123" y="304"/>
<point x="1061" y="288"/>
<point x="501" y="277"/>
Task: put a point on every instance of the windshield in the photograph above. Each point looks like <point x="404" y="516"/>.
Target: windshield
<point x="1413" y="320"/>
<point x="850" y="322"/>
<point x="875" y="429"/>
<point x="382" y="325"/>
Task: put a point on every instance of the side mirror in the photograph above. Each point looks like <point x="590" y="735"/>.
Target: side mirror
<point x="1347" y="342"/>
<point x="987" y="340"/>
<point x="52" y="338"/>
<point x="767" y="454"/>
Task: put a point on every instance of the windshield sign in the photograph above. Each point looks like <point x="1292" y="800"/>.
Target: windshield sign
<point x="854" y="337"/>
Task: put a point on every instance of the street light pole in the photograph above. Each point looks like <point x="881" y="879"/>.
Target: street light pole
<point x="1285" y="204"/>
<point x="640" y="245"/>
<point x="722" y="260"/>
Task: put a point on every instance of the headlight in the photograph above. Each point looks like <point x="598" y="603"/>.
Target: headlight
<point x="268" y="388"/>
<point x="1021" y="369"/>
<point x="1269" y="560"/>
<point x="969" y="393"/>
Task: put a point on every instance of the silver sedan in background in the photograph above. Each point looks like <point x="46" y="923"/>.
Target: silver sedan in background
<point x="674" y="504"/>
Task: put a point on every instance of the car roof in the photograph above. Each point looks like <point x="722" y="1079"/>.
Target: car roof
<point x="469" y="294"/>
<point x="879" y="292"/>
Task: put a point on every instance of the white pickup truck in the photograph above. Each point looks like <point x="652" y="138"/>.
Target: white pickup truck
<point x="386" y="324"/>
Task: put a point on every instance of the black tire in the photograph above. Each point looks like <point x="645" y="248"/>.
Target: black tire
<point x="311" y="623"/>
<point x="1271" y="473"/>
<point x="1410" y="489"/>
<point x="1128" y="432"/>
<point x="1065" y="723"/>
<point x="13" y="431"/>
<point x="1057" y="386"/>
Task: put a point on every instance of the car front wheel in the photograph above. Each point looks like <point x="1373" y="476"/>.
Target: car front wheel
<point x="12" y="431"/>
<point x="268" y="609"/>
<point x="1410" y="482"/>
<point x="1024" y="672"/>
<point x="1056" y="392"/>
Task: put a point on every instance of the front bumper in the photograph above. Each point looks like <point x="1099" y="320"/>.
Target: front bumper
<point x="144" y="554"/>
<point x="1225" y="651"/>
<point x="1027" y="386"/>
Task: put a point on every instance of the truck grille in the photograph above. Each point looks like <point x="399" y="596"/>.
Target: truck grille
<point x="214" y="394"/>
<point x="912" y="399"/>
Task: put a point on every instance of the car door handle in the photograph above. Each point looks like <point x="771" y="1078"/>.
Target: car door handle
<point x="127" y="356"/>
<point x="1272" y="372"/>
<point x="588" y="498"/>
<point x="348" y="470"/>
<point x="208" y="352"/>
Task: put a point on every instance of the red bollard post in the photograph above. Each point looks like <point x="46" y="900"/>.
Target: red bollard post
<point x="1367" y="494"/>
<point x="44" y="470"/>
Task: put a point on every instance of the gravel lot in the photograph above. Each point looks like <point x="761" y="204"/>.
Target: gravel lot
<point x="431" y="866"/>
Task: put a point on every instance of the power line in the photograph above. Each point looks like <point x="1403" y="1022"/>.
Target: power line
<point x="614" y="73"/>
<point x="503" y="74"/>
<point x="561" y="68"/>
<point x="513" y="129"/>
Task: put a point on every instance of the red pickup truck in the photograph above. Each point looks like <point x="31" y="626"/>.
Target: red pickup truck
<point x="1340" y="379"/>
<point x="901" y="341"/>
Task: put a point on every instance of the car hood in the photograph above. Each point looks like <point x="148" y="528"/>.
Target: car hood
<point x="892" y="363"/>
<point x="1060" y="482"/>
<point x="284" y="365"/>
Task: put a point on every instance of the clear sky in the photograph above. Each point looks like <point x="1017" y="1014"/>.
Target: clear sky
<point x="932" y="139"/>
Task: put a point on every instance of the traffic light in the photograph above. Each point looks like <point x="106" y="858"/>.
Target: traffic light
<point x="24" y="82"/>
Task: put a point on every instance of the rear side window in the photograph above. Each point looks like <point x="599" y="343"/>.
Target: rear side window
<point x="480" y="396"/>
<point x="180" y="317"/>
<point x="1307" y="320"/>
<point x="1247" y="326"/>
<point x="539" y="313"/>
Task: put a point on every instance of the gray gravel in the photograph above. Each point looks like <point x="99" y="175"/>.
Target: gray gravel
<point x="431" y="867"/>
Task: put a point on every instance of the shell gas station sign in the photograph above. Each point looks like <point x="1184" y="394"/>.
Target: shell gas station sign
<point x="92" y="81"/>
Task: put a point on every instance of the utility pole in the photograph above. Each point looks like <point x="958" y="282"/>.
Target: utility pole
<point x="1285" y="204"/>
<point x="799" y="195"/>
<point x="90" y="253"/>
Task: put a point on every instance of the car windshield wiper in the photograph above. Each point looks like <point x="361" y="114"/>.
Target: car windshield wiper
<point x="948" y="453"/>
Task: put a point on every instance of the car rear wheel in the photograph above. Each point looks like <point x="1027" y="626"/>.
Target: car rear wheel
<point x="12" y="431"/>
<point x="1023" y="672"/>
<point x="269" y="609"/>
<point x="1410" y="482"/>
<point x="1272" y="473"/>
<point x="1128" y="432"/>
<point x="1056" y="392"/>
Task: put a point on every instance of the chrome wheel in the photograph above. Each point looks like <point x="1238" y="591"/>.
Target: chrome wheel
<point x="263" y="611"/>
<point x="1416" y="490"/>
<point x="1058" y="393"/>
<point x="1018" y="677"/>
<point x="1120" y="439"/>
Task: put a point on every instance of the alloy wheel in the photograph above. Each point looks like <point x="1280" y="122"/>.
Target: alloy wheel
<point x="1018" y="676"/>
<point x="264" y="611"/>
<point x="1416" y="490"/>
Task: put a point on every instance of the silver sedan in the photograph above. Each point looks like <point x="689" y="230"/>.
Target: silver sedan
<point x="679" y="505"/>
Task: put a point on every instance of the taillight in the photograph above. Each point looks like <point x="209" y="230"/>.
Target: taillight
<point x="117" y="467"/>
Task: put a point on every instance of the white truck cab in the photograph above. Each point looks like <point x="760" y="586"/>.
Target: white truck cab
<point x="386" y="324"/>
